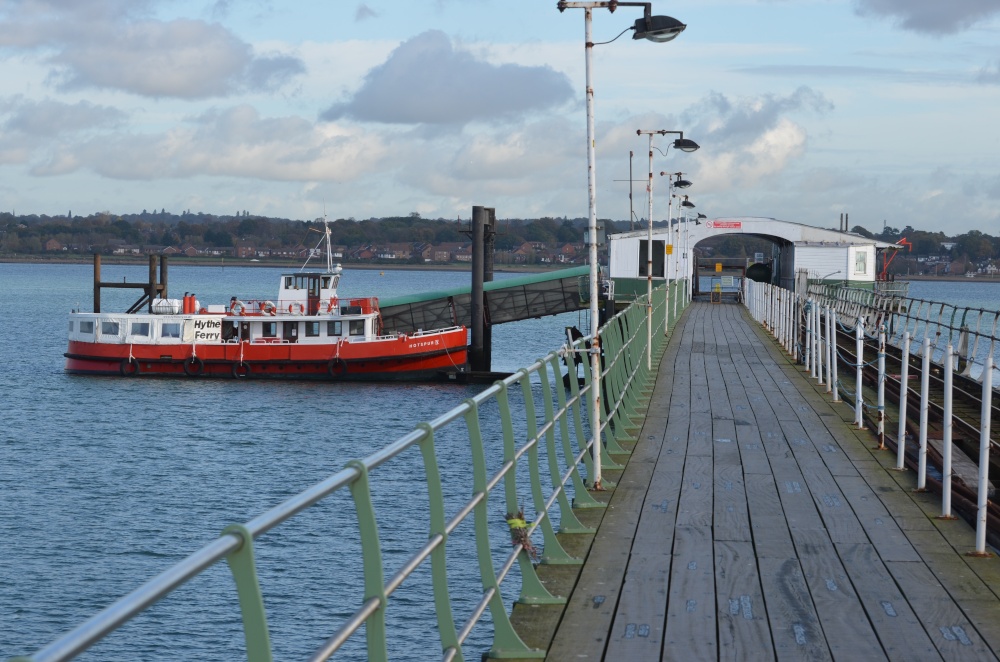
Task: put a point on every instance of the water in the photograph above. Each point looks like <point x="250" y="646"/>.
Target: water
<point x="105" y="482"/>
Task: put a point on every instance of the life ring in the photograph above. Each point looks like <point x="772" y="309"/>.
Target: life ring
<point x="129" y="367"/>
<point x="193" y="366"/>
<point x="336" y="368"/>
<point x="334" y="305"/>
<point x="241" y="370"/>
<point x="295" y="308"/>
<point x="268" y="308"/>
<point x="237" y="305"/>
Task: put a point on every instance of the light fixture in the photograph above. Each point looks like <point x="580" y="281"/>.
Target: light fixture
<point x="657" y="28"/>
<point x="686" y="145"/>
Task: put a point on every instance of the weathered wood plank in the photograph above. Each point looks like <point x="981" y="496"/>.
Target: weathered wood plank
<point x="691" y="611"/>
<point x="743" y="627"/>
<point x="795" y="627"/>
<point x="637" y="631"/>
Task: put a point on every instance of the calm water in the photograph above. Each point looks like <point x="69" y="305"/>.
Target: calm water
<point x="104" y="482"/>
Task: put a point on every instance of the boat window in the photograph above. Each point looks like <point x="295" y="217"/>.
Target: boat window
<point x="326" y="282"/>
<point x="71" y="326"/>
<point x="333" y="328"/>
<point x="109" y="328"/>
<point x="269" y="329"/>
<point x="357" y="327"/>
<point x="140" y="328"/>
<point x="312" y="329"/>
<point x="288" y="282"/>
<point x="86" y="327"/>
<point x="170" y="330"/>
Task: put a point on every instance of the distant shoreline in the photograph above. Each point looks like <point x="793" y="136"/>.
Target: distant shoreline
<point x="273" y="264"/>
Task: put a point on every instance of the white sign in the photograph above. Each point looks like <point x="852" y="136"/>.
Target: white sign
<point x="758" y="257"/>
<point x="203" y="330"/>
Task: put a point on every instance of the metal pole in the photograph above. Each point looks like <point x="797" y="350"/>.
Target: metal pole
<point x="949" y="370"/>
<point x="984" y="454"/>
<point x="904" y="390"/>
<point x="835" y="383"/>
<point x="881" y="387"/>
<point x="808" y="343"/>
<point x="595" y="320"/>
<point x="649" y="262"/>
<point x="670" y="205"/>
<point x="925" y="368"/>
<point x="818" y="366"/>
<point x="831" y="343"/>
<point x="859" y="348"/>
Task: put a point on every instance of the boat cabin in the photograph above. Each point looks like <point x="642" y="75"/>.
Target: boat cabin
<point x="311" y="293"/>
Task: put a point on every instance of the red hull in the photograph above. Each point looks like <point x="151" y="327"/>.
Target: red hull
<point x="397" y="359"/>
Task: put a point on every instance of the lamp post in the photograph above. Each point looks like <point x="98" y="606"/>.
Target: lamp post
<point x="654" y="28"/>
<point x="684" y="145"/>
<point x="676" y="181"/>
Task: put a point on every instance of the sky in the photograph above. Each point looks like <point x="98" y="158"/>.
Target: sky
<point x="887" y="110"/>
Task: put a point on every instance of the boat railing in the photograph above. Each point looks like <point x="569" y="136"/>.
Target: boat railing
<point x="529" y="434"/>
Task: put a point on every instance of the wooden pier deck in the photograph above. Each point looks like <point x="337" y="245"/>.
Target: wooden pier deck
<point x="754" y="522"/>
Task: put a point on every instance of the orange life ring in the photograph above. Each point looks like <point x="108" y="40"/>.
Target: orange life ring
<point x="237" y="304"/>
<point x="295" y="308"/>
<point x="268" y="308"/>
<point x="334" y="305"/>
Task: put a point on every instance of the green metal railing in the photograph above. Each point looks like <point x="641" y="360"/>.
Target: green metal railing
<point x="550" y="417"/>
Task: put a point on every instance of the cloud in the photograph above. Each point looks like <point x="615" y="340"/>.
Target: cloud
<point x="427" y="81"/>
<point x="364" y="12"/>
<point x="803" y="71"/>
<point x="934" y="17"/>
<point x="990" y="74"/>
<point x="49" y="118"/>
<point x="750" y="138"/>
<point x="113" y="45"/>
<point x="233" y="142"/>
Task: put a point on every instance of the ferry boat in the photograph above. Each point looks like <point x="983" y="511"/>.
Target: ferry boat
<point x="306" y="332"/>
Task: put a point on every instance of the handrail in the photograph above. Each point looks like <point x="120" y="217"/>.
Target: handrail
<point x="558" y="427"/>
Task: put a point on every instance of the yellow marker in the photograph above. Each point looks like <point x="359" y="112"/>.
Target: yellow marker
<point x="669" y="249"/>
<point x="718" y="266"/>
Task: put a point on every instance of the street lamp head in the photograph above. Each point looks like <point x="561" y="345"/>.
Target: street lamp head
<point x="701" y="216"/>
<point x="686" y="145"/>
<point x="658" y="28"/>
<point x="688" y="204"/>
<point x="681" y="183"/>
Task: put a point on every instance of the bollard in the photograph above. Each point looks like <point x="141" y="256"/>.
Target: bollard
<point x="984" y="455"/>
<point x="949" y="369"/>
<point x="859" y="357"/>
<point x="924" y="406"/>
<point x="904" y="390"/>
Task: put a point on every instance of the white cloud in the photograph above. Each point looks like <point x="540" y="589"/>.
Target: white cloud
<point x="936" y="17"/>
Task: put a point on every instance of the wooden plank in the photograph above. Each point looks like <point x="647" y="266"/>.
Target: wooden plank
<point x="731" y="518"/>
<point x="691" y="613"/>
<point x="743" y="627"/>
<point x="695" y="505"/>
<point x="955" y="637"/>
<point x="890" y="541"/>
<point x="846" y="628"/>
<point x="900" y="632"/>
<point x="637" y="631"/>
<point x="795" y="627"/>
<point x="767" y="520"/>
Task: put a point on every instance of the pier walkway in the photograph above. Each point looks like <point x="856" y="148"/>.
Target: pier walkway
<point x="753" y="521"/>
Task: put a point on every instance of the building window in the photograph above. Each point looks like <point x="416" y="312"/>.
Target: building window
<point x="356" y="328"/>
<point x="109" y="328"/>
<point x="86" y="327"/>
<point x="333" y="328"/>
<point x="170" y="330"/>
<point x="658" y="255"/>
<point x="269" y="329"/>
<point x="140" y="329"/>
<point x="860" y="263"/>
<point x="312" y="329"/>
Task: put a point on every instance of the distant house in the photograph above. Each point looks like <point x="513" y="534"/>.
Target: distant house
<point x="245" y="250"/>
<point x="447" y="252"/>
<point x="53" y="245"/>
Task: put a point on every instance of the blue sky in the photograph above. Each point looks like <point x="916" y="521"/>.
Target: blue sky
<point x="888" y="110"/>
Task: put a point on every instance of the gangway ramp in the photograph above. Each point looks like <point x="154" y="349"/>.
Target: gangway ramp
<point x="507" y="300"/>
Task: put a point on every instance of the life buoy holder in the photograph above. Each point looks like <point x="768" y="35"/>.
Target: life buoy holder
<point x="237" y="305"/>
<point x="336" y="368"/>
<point x="129" y="367"/>
<point x="193" y="366"/>
<point x="334" y="305"/>
<point x="241" y="370"/>
<point x="268" y="308"/>
<point x="295" y="308"/>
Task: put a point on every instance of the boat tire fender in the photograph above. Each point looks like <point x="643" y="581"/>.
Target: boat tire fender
<point x="336" y="368"/>
<point x="129" y="367"/>
<point x="241" y="370"/>
<point x="193" y="366"/>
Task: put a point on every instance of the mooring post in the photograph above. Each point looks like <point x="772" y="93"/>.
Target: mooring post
<point x="478" y="250"/>
<point x="489" y="251"/>
<point x="97" y="282"/>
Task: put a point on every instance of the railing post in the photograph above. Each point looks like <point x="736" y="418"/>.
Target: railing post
<point x="924" y="407"/>
<point x="859" y="362"/>
<point x="818" y="366"/>
<point x="984" y="455"/>
<point x="904" y="391"/>
<point x="371" y="555"/>
<point x="831" y="348"/>
<point x="881" y="387"/>
<point x="949" y="370"/>
<point x="835" y="358"/>
<point x="241" y="563"/>
<point x="809" y="332"/>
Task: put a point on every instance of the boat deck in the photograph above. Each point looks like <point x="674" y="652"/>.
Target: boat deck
<point x="754" y="521"/>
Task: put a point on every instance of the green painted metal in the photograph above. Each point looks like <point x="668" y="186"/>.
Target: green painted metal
<point x="241" y="564"/>
<point x="552" y="415"/>
<point x="519" y="281"/>
<point x="371" y="552"/>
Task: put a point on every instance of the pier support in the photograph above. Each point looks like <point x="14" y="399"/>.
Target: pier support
<point x="483" y="237"/>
